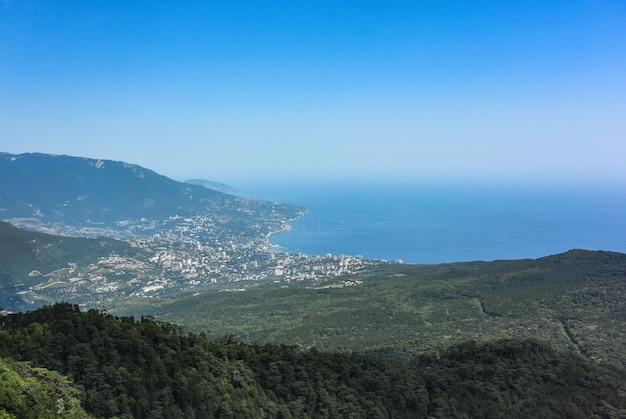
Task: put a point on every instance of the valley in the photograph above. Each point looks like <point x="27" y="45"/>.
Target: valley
<point x="104" y="265"/>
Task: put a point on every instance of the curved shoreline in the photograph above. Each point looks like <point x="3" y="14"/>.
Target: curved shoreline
<point x="285" y="227"/>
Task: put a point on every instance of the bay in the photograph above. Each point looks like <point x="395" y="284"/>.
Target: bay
<point x="422" y="223"/>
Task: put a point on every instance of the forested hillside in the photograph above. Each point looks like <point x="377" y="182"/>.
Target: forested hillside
<point x="574" y="301"/>
<point x="146" y="369"/>
<point x="78" y="190"/>
<point x="23" y="251"/>
<point x="32" y="392"/>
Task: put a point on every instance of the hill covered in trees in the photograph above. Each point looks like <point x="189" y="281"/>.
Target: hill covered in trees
<point x="33" y="392"/>
<point x="86" y="196"/>
<point x="78" y="190"/>
<point x="523" y="338"/>
<point x="29" y="258"/>
<point x="573" y="300"/>
<point x="122" y="367"/>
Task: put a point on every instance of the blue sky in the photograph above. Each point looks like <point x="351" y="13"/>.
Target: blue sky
<point x="238" y="90"/>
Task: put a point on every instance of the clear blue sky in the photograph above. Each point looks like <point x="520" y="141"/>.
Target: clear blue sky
<point x="240" y="90"/>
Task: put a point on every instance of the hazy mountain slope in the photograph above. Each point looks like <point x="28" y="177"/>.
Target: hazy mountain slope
<point x="216" y="186"/>
<point x="82" y="190"/>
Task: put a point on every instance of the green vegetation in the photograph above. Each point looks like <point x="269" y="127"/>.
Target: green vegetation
<point x="37" y="393"/>
<point x="525" y="338"/>
<point x="148" y="369"/>
<point x="22" y="252"/>
<point x="26" y="257"/>
<point x="573" y="300"/>
<point x="74" y="191"/>
<point x="500" y="339"/>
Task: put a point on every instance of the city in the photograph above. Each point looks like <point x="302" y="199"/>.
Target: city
<point x="180" y="254"/>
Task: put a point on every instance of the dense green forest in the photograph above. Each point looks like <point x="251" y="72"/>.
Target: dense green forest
<point x="126" y="367"/>
<point x="28" y="392"/>
<point x="574" y="301"/>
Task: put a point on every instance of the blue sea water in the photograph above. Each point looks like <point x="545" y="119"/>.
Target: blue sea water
<point x="448" y="223"/>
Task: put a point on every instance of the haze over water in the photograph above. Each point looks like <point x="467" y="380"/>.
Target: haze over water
<point x="436" y="224"/>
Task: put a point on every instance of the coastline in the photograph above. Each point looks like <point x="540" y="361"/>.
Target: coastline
<point x="285" y="227"/>
<point x="424" y="224"/>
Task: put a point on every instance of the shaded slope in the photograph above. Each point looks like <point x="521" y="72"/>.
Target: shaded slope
<point x="24" y="255"/>
<point x="152" y="370"/>
<point x="81" y="190"/>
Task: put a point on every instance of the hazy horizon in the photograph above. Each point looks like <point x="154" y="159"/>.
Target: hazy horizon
<point x="229" y="92"/>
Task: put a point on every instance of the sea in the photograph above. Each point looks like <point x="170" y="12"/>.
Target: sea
<point x="440" y="223"/>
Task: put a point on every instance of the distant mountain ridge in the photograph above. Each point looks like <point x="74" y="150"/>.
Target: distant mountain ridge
<point x="216" y="186"/>
<point x="89" y="191"/>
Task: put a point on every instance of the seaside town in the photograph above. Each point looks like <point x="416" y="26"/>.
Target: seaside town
<point x="192" y="253"/>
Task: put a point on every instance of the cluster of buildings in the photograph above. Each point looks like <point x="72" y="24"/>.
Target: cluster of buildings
<point x="180" y="254"/>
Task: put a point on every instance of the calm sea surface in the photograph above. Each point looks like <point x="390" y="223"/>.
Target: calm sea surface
<point x="435" y="224"/>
